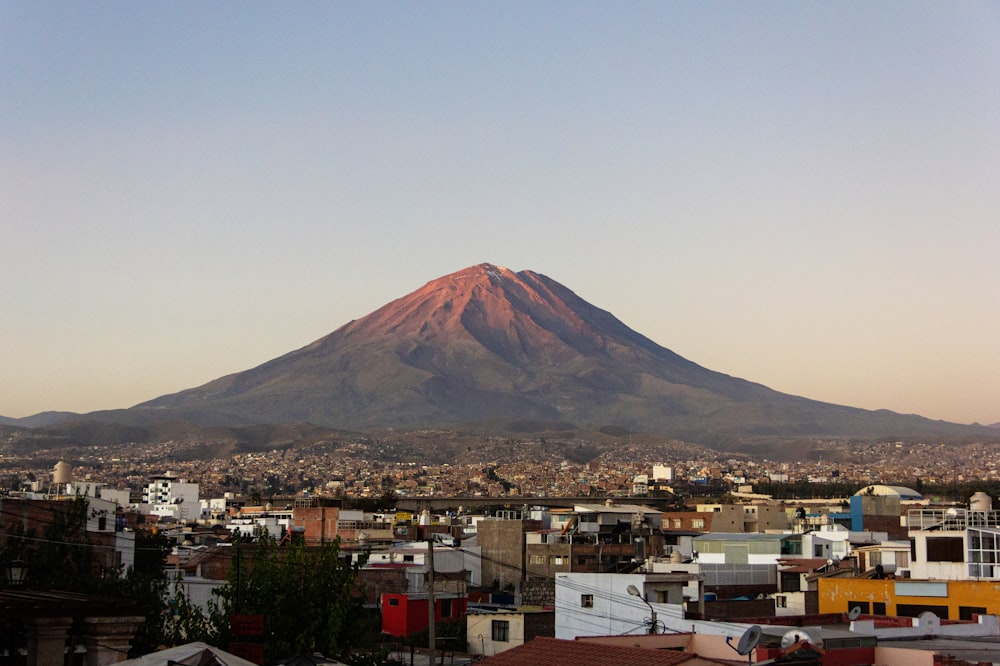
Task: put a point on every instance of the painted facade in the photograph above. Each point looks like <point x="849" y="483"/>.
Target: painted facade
<point x="948" y="599"/>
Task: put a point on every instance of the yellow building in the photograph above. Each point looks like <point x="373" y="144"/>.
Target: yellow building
<point x="948" y="599"/>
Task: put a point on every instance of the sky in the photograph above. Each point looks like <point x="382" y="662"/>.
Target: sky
<point x="802" y="194"/>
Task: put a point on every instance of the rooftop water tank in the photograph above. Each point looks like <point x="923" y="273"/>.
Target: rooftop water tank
<point x="980" y="502"/>
<point x="62" y="473"/>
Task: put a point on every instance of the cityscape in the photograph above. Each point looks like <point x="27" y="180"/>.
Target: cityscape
<point x="364" y="468"/>
<point x="528" y="554"/>
<point x="518" y="333"/>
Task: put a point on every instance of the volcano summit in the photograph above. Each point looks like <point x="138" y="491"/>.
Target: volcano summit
<point x="488" y="344"/>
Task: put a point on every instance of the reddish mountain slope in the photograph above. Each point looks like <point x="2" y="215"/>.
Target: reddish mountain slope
<point x="488" y="343"/>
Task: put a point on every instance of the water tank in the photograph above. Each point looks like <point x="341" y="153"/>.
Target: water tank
<point x="981" y="502"/>
<point x="62" y="473"/>
<point x="676" y="557"/>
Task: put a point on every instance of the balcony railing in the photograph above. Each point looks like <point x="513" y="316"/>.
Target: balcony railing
<point x="953" y="519"/>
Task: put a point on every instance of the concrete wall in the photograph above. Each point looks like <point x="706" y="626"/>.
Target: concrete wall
<point x="889" y="656"/>
<point x="502" y="544"/>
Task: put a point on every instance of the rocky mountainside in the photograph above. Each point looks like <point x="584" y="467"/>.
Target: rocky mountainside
<point x="489" y="344"/>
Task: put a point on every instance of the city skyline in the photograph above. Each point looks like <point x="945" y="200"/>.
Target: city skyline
<point x="801" y="196"/>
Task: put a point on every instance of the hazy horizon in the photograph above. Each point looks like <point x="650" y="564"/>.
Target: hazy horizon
<point x="803" y="196"/>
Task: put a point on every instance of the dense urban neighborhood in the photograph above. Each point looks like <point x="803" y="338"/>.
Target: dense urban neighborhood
<point x="889" y="555"/>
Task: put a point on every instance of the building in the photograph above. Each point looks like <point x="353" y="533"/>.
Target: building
<point x="36" y="514"/>
<point x="954" y="544"/>
<point x="947" y="599"/>
<point x="489" y="633"/>
<point x="502" y="541"/>
<point x="171" y="497"/>
<point x="403" y="614"/>
<point x="748" y="518"/>
<point x="589" y="604"/>
<point x="663" y="473"/>
<point x="43" y="623"/>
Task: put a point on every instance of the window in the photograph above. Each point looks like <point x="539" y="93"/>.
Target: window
<point x="501" y="631"/>
<point x="878" y="608"/>
<point x="393" y="601"/>
<point x="914" y="610"/>
<point x="781" y="601"/>
<point x="698" y="524"/>
<point x="791" y="582"/>
<point x="677" y="523"/>
<point x="863" y="605"/>
<point x="536" y="559"/>
<point x="407" y="558"/>
<point x="966" y="612"/>
<point x="945" y="549"/>
<point x="586" y="601"/>
<point x="446" y="608"/>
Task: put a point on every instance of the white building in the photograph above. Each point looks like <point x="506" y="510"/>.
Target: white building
<point x="599" y="604"/>
<point x="170" y="496"/>
<point x="447" y="559"/>
<point x="663" y="473"/>
<point x="90" y="489"/>
<point x="954" y="544"/>
<point x="256" y="520"/>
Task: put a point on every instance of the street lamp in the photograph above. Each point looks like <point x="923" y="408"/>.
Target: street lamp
<point x="634" y="591"/>
<point x="15" y="571"/>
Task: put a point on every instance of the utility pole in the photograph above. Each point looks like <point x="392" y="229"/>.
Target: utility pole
<point x="431" y="640"/>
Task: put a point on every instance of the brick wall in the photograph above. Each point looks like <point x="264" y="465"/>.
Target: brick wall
<point x="539" y="592"/>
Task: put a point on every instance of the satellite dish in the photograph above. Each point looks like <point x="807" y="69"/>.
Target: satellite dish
<point x="794" y="636"/>
<point x="855" y="612"/>
<point x="749" y="640"/>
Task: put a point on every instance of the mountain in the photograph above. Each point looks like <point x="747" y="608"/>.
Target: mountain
<point x="489" y="344"/>
<point x="40" y="420"/>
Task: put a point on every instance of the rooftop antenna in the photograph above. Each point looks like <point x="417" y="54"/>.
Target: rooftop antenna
<point x="748" y="641"/>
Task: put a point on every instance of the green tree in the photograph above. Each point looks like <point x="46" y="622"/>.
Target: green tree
<point x="308" y="597"/>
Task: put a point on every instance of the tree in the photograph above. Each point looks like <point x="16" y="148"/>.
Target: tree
<point x="308" y="597"/>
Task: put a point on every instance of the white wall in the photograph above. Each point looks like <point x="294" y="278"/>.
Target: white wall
<point x="615" y="612"/>
<point x="921" y="568"/>
<point x="795" y="603"/>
